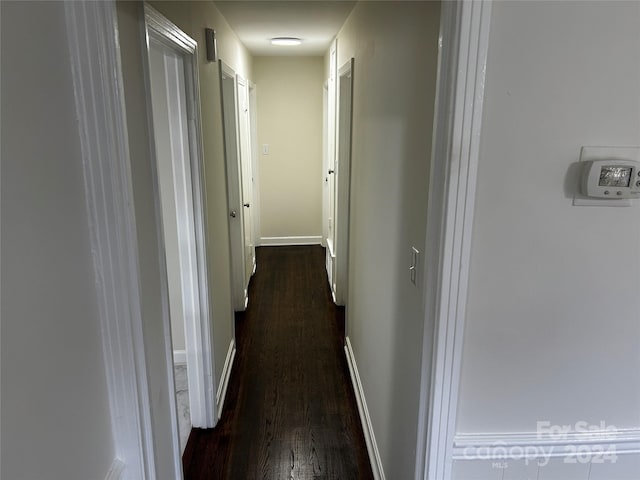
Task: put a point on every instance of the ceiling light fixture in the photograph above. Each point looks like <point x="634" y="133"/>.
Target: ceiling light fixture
<point x="286" y="41"/>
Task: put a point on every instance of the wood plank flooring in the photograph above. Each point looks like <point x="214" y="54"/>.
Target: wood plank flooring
<point x="290" y="411"/>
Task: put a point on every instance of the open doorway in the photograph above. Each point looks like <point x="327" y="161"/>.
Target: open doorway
<point x="173" y="94"/>
<point x="329" y="197"/>
<point x="341" y="193"/>
<point x="167" y="91"/>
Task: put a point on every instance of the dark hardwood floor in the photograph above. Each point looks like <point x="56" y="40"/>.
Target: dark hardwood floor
<point x="290" y="411"/>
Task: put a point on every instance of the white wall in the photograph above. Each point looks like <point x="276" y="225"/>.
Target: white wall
<point x="552" y="328"/>
<point x="289" y="110"/>
<point x="395" y="49"/>
<point x="55" y="412"/>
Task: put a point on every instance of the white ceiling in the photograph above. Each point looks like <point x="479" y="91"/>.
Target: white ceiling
<point x="315" y="22"/>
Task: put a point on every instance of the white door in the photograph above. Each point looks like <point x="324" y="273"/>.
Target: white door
<point x="342" y="182"/>
<point x="325" y="163"/>
<point x="246" y="172"/>
<point x="239" y="236"/>
<point x="329" y="179"/>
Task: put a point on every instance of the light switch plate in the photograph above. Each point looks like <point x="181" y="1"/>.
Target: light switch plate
<point x="265" y="149"/>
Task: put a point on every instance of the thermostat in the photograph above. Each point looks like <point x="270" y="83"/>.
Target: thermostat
<point x="607" y="177"/>
<point x="611" y="179"/>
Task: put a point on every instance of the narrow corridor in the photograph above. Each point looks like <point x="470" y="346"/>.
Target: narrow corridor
<point x="290" y="411"/>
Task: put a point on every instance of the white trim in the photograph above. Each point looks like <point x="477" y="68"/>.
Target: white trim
<point x="226" y="375"/>
<point x="98" y="88"/>
<point x="298" y="240"/>
<point x="463" y="49"/>
<point x="163" y="280"/>
<point x="116" y="470"/>
<point x="365" y="419"/>
<point x="198" y="335"/>
<point x="509" y="445"/>
<point x="179" y="357"/>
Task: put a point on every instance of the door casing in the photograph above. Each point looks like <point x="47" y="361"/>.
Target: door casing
<point x="198" y="333"/>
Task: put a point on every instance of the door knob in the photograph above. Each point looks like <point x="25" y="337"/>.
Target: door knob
<point x="233" y="214"/>
<point x="247" y="205"/>
<point x="331" y="171"/>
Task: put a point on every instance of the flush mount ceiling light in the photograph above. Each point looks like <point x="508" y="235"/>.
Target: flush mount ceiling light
<point x="287" y="41"/>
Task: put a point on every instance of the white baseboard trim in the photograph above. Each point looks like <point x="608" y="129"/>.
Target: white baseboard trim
<point x="365" y="419"/>
<point x="492" y="446"/>
<point x="226" y="374"/>
<point x="116" y="470"/>
<point x="179" y="357"/>
<point x="281" y="241"/>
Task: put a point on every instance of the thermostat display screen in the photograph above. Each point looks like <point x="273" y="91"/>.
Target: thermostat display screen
<point x="615" y="176"/>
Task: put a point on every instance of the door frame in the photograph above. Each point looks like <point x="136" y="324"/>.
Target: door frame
<point x="198" y="331"/>
<point x="234" y="187"/>
<point x="104" y="142"/>
<point x="343" y="178"/>
<point x="328" y="209"/>
<point x="462" y="58"/>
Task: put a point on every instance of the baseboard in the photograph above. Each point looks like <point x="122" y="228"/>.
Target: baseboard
<point x="226" y="374"/>
<point x="282" y="241"/>
<point x="179" y="357"/>
<point x="365" y="419"/>
<point x="472" y="446"/>
<point x="116" y="470"/>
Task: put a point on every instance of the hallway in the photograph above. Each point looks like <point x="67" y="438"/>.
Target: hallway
<point x="290" y="410"/>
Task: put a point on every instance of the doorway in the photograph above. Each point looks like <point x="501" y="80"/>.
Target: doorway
<point x="172" y="90"/>
<point x="340" y="187"/>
